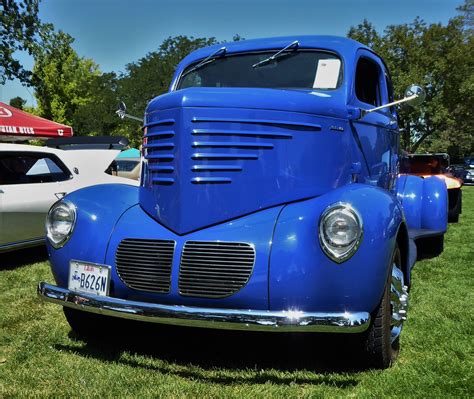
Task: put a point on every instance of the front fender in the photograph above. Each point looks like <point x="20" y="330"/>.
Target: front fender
<point x="425" y="202"/>
<point x="98" y="210"/>
<point x="302" y="277"/>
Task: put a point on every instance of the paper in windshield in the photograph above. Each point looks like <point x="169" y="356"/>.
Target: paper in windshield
<point x="327" y="74"/>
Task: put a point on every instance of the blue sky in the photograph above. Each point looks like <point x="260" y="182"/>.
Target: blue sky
<point x="116" y="32"/>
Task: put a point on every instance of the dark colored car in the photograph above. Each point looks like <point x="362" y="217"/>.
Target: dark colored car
<point x="469" y="161"/>
<point x="463" y="172"/>
<point x="426" y="165"/>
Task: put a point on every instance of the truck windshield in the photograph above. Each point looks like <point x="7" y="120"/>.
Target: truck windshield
<point x="295" y="70"/>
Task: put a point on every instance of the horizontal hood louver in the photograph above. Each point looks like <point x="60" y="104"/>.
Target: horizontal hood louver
<point x="205" y="165"/>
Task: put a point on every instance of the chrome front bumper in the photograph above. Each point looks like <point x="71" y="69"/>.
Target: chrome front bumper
<point x="218" y="318"/>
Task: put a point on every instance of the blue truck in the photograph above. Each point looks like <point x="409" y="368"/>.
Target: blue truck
<point x="270" y="200"/>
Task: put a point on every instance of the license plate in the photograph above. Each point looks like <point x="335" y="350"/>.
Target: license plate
<point x="89" y="278"/>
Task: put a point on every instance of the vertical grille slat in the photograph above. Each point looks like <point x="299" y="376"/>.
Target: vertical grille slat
<point x="145" y="264"/>
<point x="215" y="269"/>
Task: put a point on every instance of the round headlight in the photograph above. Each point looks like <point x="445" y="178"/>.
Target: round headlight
<point x="60" y="223"/>
<point x="340" y="231"/>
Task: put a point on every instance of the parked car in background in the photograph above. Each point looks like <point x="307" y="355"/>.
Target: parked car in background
<point x="33" y="178"/>
<point x="128" y="164"/>
<point x="469" y="161"/>
<point x="426" y="165"/>
<point x="469" y="177"/>
<point x="270" y="200"/>
<point x="463" y="172"/>
<point x="128" y="168"/>
<point x="457" y="170"/>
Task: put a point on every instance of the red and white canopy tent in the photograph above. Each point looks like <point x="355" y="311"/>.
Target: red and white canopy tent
<point x="16" y="125"/>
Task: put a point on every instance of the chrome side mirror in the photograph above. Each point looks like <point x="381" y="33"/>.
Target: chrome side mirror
<point x="414" y="95"/>
<point x="122" y="112"/>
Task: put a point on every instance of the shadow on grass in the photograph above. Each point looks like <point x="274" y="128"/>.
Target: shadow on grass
<point x="246" y="357"/>
<point x="15" y="259"/>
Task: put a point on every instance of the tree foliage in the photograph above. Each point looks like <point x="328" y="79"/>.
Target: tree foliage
<point x="72" y="90"/>
<point x="18" y="102"/>
<point x="440" y="59"/>
<point x="19" y="25"/>
<point x="67" y="85"/>
<point x="151" y="76"/>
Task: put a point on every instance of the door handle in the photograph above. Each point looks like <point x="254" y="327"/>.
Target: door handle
<point x="1" y="191"/>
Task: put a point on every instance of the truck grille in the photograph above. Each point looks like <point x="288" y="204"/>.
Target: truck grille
<point x="160" y="151"/>
<point x="145" y="264"/>
<point x="215" y="269"/>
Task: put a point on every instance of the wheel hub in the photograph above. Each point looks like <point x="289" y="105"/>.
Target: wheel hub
<point x="398" y="301"/>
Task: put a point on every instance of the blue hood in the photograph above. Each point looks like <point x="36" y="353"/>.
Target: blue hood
<point x="316" y="102"/>
<point x="214" y="154"/>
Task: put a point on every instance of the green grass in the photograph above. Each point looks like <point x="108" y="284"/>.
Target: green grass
<point x="40" y="356"/>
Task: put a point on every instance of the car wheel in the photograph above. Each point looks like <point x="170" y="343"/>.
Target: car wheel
<point x="430" y="247"/>
<point x="453" y="214"/>
<point x="382" y="340"/>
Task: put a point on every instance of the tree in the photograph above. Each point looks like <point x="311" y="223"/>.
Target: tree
<point x="437" y="57"/>
<point x="19" y="25"/>
<point x="66" y="84"/>
<point x="72" y="90"/>
<point x="467" y="9"/>
<point x="151" y="76"/>
<point x="17" y="102"/>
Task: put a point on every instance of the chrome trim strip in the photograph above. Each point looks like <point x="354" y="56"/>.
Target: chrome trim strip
<point x="217" y="318"/>
<point x="22" y="244"/>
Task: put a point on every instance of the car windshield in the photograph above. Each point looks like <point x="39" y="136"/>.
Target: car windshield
<point x="293" y="70"/>
<point x="126" y="166"/>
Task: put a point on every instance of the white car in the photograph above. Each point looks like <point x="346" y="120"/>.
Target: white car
<point x="33" y="178"/>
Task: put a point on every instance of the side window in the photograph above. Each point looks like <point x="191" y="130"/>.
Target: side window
<point x="28" y="168"/>
<point x="391" y="97"/>
<point x="367" y="82"/>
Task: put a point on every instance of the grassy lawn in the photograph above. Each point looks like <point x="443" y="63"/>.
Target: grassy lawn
<point x="40" y="356"/>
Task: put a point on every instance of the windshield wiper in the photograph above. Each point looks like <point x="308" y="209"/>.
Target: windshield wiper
<point x="277" y="54"/>
<point x="207" y="60"/>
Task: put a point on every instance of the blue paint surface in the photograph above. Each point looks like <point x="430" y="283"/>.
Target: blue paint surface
<point x="259" y="166"/>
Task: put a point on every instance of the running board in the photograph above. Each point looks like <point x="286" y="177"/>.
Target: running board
<point x="415" y="234"/>
<point x="22" y="244"/>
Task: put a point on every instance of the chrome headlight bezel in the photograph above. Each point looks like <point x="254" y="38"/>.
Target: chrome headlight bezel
<point x="71" y="209"/>
<point x="340" y="253"/>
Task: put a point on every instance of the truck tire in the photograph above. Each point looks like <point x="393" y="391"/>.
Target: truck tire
<point x="379" y="349"/>
<point x="455" y="210"/>
<point x="430" y="247"/>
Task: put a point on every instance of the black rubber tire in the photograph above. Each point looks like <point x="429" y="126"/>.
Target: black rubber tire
<point x="453" y="218"/>
<point x="86" y="324"/>
<point x="379" y="350"/>
<point x="430" y="247"/>
<point x="453" y="213"/>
